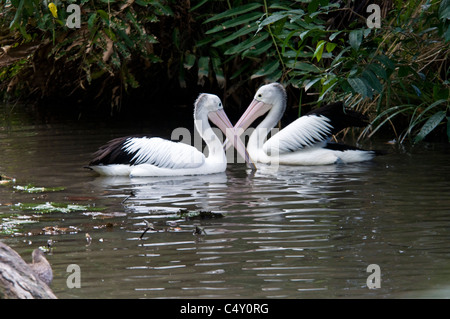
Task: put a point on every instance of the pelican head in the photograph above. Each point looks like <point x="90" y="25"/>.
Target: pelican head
<point x="206" y="103"/>
<point x="269" y="97"/>
<point x="209" y="106"/>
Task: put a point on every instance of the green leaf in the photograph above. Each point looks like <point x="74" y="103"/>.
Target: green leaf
<point x="313" y="5"/>
<point x="306" y="67"/>
<point x="244" y="45"/>
<point x="235" y="11"/>
<point x="311" y="83"/>
<point x="268" y="68"/>
<point x="355" y="38"/>
<point x="198" y="5"/>
<point x="218" y="71"/>
<point x="18" y="14"/>
<point x="203" y="69"/>
<point x="319" y="50"/>
<point x="103" y="15"/>
<point x="334" y="35"/>
<point x="258" y="49"/>
<point x="244" y="19"/>
<point x="404" y="70"/>
<point x="430" y="125"/>
<point x="440" y="92"/>
<point x="386" y="61"/>
<point x="189" y="61"/>
<point x="378" y="70"/>
<point x="271" y="19"/>
<point x="161" y="9"/>
<point x="444" y="10"/>
<point x="358" y="86"/>
<point x="91" y="21"/>
<point x="372" y="79"/>
<point x="330" y="47"/>
<point x="447" y="34"/>
<point x="235" y="35"/>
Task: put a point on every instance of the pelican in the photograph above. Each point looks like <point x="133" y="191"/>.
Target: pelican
<point x="154" y="156"/>
<point x="306" y="141"/>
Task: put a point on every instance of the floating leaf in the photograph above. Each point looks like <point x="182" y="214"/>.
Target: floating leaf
<point x="11" y="224"/>
<point x="50" y="207"/>
<point x="33" y="189"/>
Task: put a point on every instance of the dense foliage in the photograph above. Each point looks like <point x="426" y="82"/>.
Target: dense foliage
<point x="323" y="50"/>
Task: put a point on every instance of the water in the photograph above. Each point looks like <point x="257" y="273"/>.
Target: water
<point x="299" y="232"/>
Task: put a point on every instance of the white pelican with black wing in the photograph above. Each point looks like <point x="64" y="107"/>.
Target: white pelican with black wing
<point x="154" y="156"/>
<point x="306" y="141"/>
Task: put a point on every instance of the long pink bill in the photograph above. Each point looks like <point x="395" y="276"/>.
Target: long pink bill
<point x="253" y="111"/>
<point x="221" y="120"/>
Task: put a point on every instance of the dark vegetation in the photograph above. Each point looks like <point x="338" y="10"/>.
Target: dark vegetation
<point x="132" y="56"/>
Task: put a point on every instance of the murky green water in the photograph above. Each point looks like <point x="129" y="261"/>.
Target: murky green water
<point x="299" y="232"/>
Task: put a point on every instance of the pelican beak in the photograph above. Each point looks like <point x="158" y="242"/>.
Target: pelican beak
<point x="254" y="110"/>
<point x="220" y="118"/>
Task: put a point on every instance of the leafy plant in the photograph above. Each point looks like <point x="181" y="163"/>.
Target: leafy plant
<point x="323" y="48"/>
<point x="382" y="69"/>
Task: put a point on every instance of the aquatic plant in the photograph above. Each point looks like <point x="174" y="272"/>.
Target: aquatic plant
<point x="11" y="224"/>
<point x="52" y="207"/>
<point x="30" y="188"/>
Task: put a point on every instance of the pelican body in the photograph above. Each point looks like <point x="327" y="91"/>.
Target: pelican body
<point x="306" y="141"/>
<point x="154" y="156"/>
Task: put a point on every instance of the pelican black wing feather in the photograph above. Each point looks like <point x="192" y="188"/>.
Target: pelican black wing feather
<point x="113" y="152"/>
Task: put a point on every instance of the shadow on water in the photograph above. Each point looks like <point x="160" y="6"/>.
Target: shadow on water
<point x="297" y="232"/>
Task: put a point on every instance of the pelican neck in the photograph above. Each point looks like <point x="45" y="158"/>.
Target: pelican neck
<point x="207" y="134"/>
<point x="258" y="137"/>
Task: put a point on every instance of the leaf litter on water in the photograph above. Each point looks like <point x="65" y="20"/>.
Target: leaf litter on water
<point x="51" y="207"/>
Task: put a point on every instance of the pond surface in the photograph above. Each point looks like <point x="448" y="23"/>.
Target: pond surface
<point x="298" y="232"/>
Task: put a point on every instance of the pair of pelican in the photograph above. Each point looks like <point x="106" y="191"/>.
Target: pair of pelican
<point x="306" y="141"/>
